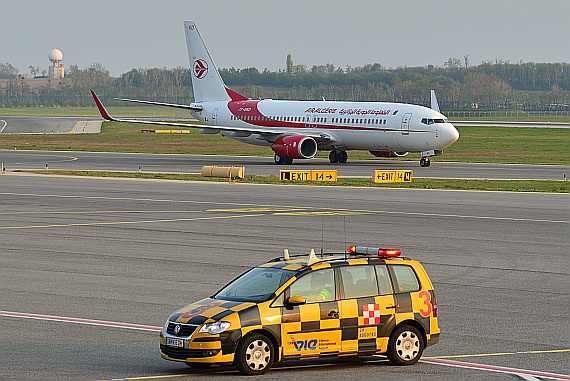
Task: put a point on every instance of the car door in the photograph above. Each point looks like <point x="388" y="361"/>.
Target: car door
<point x="312" y="329"/>
<point x="367" y="307"/>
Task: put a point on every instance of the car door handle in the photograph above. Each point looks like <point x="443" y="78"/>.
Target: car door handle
<point x="333" y="314"/>
<point x="387" y="307"/>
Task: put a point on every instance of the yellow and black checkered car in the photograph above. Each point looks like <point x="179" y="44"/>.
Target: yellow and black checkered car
<point x="364" y="302"/>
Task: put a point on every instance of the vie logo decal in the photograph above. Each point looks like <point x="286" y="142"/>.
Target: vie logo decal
<point x="307" y="345"/>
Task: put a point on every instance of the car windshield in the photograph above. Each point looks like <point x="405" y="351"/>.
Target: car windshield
<point x="256" y="285"/>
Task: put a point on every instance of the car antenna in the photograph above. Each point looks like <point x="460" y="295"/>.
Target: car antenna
<point x="322" y="236"/>
<point x="344" y="223"/>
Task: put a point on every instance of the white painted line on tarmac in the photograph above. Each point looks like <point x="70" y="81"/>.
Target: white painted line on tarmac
<point x="524" y="373"/>
<point x="80" y="321"/>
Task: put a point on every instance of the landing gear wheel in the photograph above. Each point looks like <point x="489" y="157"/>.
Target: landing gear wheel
<point x="343" y="157"/>
<point x="405" y="346"/>
<point x="334" y="157"/>
<point x="424" y="162"/>
<point x="254" y="355"/>
<point x="289" y="160"/>
<point x="279" y="160"/>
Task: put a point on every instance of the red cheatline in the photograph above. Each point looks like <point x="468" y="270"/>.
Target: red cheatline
<point x="80" y="321"/>
<point x="501" y="369"/>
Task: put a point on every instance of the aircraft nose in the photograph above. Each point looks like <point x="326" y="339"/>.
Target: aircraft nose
<point x="449" y="134"/>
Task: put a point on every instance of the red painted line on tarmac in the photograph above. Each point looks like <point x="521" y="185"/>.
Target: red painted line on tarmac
<point x="501" y="369"/>
<point x="80" y="321"/>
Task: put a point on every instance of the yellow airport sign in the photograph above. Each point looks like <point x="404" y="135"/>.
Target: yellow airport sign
<point x="393" y="176"/>
<point x="295" y="175"/>
<point x="329" y="175"/>
<point x="323" y="175"/>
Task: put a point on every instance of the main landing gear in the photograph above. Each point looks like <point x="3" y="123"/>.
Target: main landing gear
<point x="283" y="160"/>
<point x="424" y="162"/>
<point x="338" y="157"/>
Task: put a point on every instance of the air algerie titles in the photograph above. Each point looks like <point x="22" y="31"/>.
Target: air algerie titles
<point x="349" y="111"/>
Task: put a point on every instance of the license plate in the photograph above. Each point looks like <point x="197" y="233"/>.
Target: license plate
<point x="175" y="342"/>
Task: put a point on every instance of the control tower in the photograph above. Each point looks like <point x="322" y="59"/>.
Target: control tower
<point x="56" y="67"/>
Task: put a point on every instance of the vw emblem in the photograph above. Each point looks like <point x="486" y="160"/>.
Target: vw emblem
<point x="177" y="329"/>
<point x="200" y="69"/>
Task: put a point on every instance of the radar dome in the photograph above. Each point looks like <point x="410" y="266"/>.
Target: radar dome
<point x="55" y="55"/>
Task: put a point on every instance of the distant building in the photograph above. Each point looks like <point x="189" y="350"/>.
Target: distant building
<point x="56" y="69"/>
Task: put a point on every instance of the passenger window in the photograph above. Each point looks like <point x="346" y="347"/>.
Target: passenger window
<point x="359" y="281"/>
<point x="317" y="286"/>
<point x="406" y="279"/>
<point x="384" y="281"/>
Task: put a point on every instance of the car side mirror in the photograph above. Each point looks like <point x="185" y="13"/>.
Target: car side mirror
<point x="296" y="300"/>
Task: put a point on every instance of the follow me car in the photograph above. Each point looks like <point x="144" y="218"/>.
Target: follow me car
<point x="366" y="301"/>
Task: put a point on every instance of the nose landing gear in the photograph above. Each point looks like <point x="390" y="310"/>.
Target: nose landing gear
<point x="424" y="162"/>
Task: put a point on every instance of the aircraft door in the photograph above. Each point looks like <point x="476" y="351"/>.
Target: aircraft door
<point x="215" y="117"/>
<point x="406" y="123"/>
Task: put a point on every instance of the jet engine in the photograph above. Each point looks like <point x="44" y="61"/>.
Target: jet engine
<point x="388" y="153"/>
<point x="295" y="147"/>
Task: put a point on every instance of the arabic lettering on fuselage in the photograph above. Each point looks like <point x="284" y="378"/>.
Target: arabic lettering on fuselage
<point x="349" y="111"/>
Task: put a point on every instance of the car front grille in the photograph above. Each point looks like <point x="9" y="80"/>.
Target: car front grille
<point x="185" y="329"/>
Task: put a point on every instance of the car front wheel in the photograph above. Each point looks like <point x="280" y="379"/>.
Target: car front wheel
<point x="254" y="355"/>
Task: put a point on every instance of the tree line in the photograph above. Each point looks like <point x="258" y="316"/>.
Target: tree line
<point x="491" y="85"/>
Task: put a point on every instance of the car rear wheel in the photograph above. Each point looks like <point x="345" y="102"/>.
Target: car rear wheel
<point x="254" y="355"/>
<point x="405" y="346"/>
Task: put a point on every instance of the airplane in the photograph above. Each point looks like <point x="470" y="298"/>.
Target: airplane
<point x="298" y="129"/>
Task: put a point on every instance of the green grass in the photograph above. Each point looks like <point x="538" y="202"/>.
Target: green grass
<point x="423" y="183"/>
<point x="476" y="144"/>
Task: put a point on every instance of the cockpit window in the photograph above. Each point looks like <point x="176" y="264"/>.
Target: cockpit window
<point x="432" y="121"/>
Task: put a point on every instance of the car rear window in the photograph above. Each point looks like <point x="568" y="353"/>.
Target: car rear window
<point x="406" y="279"/>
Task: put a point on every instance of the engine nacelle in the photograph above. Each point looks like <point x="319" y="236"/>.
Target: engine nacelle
<point x="295" y="147"/>
<point x="388" y="153"/>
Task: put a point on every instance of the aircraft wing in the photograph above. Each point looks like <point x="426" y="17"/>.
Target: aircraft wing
<point x="187" y="107"/>
<point x="269" y="133"/>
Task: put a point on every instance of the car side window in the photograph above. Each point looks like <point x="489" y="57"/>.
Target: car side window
<point x="384" y="281"/>
<point x="406" y="278"/>
<point x="317" y="286"/>
<point x="359" y="281"/>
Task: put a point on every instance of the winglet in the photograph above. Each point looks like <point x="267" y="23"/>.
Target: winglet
<point x="102" y="110"/>
<point x="434" y="105"/>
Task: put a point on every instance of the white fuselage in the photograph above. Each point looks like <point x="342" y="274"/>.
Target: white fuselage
<point x="372" y="126"/>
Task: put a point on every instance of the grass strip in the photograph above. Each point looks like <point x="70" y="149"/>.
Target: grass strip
<point x="549" y="186"/>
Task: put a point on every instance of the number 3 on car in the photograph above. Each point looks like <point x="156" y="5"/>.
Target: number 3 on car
<point x="361" y="302"/>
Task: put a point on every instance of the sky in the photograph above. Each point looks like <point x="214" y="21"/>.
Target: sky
<point x="127" y="34"/>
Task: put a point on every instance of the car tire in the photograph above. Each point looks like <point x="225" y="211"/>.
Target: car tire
<point x="405" y="346"/>
<point x="254" y="354"/>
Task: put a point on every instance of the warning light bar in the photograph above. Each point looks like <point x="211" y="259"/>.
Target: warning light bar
<point x="374" y="251"/>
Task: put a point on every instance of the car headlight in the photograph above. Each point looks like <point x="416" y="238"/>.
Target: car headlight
<point x="215" y="328"/>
